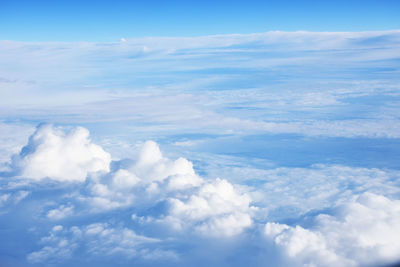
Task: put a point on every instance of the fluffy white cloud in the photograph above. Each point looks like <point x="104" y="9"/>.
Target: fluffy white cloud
<point x="173" y="207"/>
<point x="52" y="153"/>
<point x="216" y="209"/>
<point x="361" y="232"/>
<point x="213" y="208"/>
<point x="151" y="166"/>
<point x="150" y="174"/>
<point x="124" y="180"/>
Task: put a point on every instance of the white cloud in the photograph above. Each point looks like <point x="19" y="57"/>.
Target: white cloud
<point x="216" y="209"/>
<point x="151" y="166"/>
<point x="96" y="240"/>
<point x="291" y="192"/>
<point x="60" y="213"/>
<point x="12" y="198"/>
<point x="147" y="174"/>
<point x="191" y="103"/>
<point x="176" y="212"/>
<point x="20" y="195"/>
<point x="360" y="232"/>
<point x="12" y="138"/>
<point x="51" y="153"/>
<point x="124" y="180"/>
<point x="115" y="240"/>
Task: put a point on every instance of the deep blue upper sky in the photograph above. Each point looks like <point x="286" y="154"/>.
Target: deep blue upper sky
<point x="74" y="20"/>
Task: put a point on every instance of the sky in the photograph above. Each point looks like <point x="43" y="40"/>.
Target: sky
<point x="220" y="134"/>
<point x="111" y="20"/>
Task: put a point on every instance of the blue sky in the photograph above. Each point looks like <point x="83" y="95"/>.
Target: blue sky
<point x="173" y="146"/>
<point x="112" y="20"/>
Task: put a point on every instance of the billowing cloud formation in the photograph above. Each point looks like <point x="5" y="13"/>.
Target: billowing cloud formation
<point x="60" y="156"/>
<point x="357" y="233"/>
<point x="151" y="209"/>
<point x="151" y="166"/>
<point x="149" y="176"/>
<point x="216" y="209"/>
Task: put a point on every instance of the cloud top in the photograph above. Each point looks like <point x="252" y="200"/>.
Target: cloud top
<point x="55" y="154"/>
<point x="359" y="232"/>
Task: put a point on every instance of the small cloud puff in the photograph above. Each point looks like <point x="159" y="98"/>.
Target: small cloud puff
<point x="52" y="153"/>
<point x="60" y="213"/>
<point x="361" y="232"/>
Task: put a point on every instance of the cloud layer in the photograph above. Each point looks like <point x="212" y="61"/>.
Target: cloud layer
<point x="361" y="232"/>
<point x="318" y="84"/>
<point x="150" y="209"/>
<point x="270" y="149"/>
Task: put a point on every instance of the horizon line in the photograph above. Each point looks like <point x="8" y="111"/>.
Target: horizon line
<point x="127" y="39"/>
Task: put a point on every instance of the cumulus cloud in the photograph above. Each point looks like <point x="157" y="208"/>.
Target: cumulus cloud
<point x="216" y="209"/>
<point x="211" y="208"/>
<point x="52" y="153"/>
<point x="151" y="207"/>
<point x="361" y="232"/>
<point x="149" y="175"/>
<point x="150" y="165"/>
